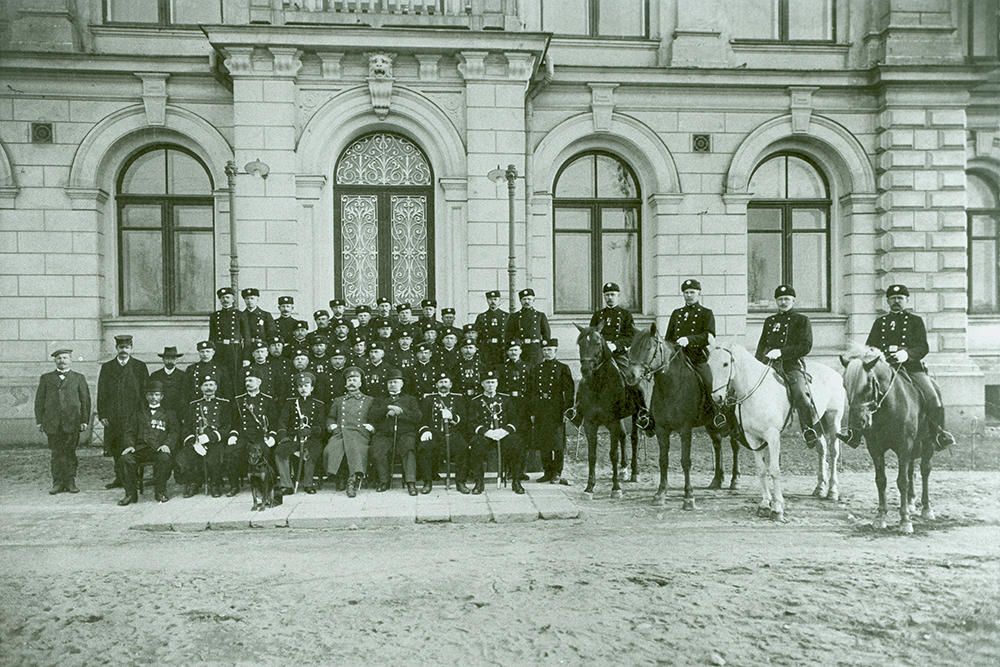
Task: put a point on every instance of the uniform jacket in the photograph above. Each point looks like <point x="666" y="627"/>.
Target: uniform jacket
<point x="350" y="413"/>
<point x="550" y="394"/>
<point x="790" y="332"/>
<point x="260" y="324"/>
<point x="694" y="322"/>
<point x="197" y="370"/>
<point x="290" y="422"/>
<point x="489" y="412"/>
<point x="283" y="372"/>
<point x="447" y="360"/>
<point x="445" y="330"/>
<point x="514" y="376"/>
<point x="406" y="423"/>
<point x="285" y="324"/>
<point x="62" y="404"/>
<point x="151" y="429"/>
<point x="175" y="389"/>
<point x="213" y="416"/>
<point x="120" y="390"/>
<point x="268" y="374"/>
<point x="401" y="359"/>
<point x="904" y="330"/>
<point x="228" y="324"/>
<point x="256" y="417"/>
<point x="374" y="378"/>
<point x="619" y="327"/>
<point x="431" y="405"/>
<point x="420" y="378"/>
<point x="469" y="375"/>
<point x="492" y="327"/>
<point x="528" y="326"/>
<point x="433" y="321"/>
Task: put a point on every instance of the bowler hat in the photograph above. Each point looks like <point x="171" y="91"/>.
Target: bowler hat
<point x="154" y="386"/>
<point x="170" y="352"/>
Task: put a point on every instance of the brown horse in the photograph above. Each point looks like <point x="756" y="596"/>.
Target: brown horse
<point x="885" y="409"/>
<point x="679" y="403"/>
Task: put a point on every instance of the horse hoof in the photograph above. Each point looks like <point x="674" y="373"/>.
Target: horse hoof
<point x="906" y="527"/>
<point x="589" y="489"/>
<point x="634" y="478"/>
<point x="616" y="493"/>
<point x="588" y="495"/>
<point x="659" y="500"/>
<point x="879" y="523"/>
<point x="927" y="513"/>
<point x="911" y="509"/>
<point x="820" y="491"/>
<point x="779" y="517"/>
<point x="833" y="494"/>
<point x="689" y="504"/>
<point x="763" y="512"/>
<point x="716" y="483"/>
<point x="734" y="483"/>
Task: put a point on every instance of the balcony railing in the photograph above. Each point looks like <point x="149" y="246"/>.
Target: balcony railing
<point x="469" y="14"/>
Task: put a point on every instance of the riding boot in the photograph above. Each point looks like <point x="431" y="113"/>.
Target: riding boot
<point x="480" y="485"/>
<point x="942" y="438"/>
<point x="426" y="488"/>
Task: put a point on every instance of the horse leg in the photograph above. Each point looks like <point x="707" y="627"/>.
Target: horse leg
<point x="879" y="461"/>
<point x="634" y="437"/>
<point x="717" y="447"/>
<point x="903" y="481"/>
<point x="734" y="482"/>
<point x="911" y="495"/>
<point x="591" y="430"/>
<point x="777" y="498"/>
<point x="617" y="437"/>
<point x="686" y="465"/>
<point x="662" y="437"/>
<point x="822" y="483"/>
<point x="833" y="456"/>
<point x="764" y="509"/>
<point x="925" y="472"/>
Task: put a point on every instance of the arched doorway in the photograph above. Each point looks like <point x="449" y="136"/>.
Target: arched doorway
<point x="383" y="228"/>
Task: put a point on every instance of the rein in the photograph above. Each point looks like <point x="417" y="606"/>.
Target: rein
<point x="648" y="367"/>
<point x="877" y="400"/>
<point x="729" y="382"/>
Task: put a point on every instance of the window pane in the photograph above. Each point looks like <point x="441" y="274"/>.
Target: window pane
<point x="577" y="180"/>
<point x="768" y="181"/>
<point x="804" y="182"/>
<point x="979" y="194"/>
<point x="763" y="267"/>
<point x="566" y="17"/>
<point x="983" y="24"/>
<point x="984" y="225"/>
<point x="142" y="272"/>
<point x="193" y="216"/>
<point x="808" y="218"/>
<point x="620" y="264"/>
<point x="764" y="219"/>
<point x="809" y="270"/>
<point x="758" y="19"/>
<point x="573" y="276"/>
<point x="573" y="218"/>
<point x="195" y="11"/>
<point x="133" y="11"/>
<point x="619" y="218"/>
<point x="622" y="18"/>
<point x="810" y="19"/>
<point x="194" y="257"/>
<point x="614" y="180"/>
<point x="185" y="176"/>
<point x="147" y="175"/>
<point x="983" y="296"/>
<point x="134" y="215"/>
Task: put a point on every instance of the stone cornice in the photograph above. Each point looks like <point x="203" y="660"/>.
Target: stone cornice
<point x="87" y="199"/>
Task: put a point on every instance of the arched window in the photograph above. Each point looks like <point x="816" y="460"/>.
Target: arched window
<point x="596" y="214"/>
<point x="788" y="224"/>
<point x="982" y="209"/>
<point x="166" y="234"/>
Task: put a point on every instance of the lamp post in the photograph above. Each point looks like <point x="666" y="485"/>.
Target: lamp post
<point x="257" y="169"/>
<point x="498" y="175"/>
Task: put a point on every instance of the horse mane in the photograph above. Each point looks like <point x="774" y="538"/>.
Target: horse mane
<point x="854" y="374"/>
<point x="863" y="352"/>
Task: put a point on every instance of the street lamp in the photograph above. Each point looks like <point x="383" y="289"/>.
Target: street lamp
<point x="257" y="169"/>
<point x="498" y="175"/>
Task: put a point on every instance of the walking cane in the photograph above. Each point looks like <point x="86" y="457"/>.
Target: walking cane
<point x="500" y="473"/>
<point x="447" y="455"/>
<point x="392" y="456"/>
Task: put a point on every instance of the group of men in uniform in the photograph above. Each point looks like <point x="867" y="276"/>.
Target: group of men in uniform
<point x="382" y="385"/>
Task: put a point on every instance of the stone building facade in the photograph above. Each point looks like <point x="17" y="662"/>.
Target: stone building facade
<point x="842" y="145"/>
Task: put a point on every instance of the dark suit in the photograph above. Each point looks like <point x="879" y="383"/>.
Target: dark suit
<point x="176" y="386"/>
<point x="619" y="327"/>
<point x="120" y="394"/>
<point x="149" y="430"/>
<point x="401" y="429"/>
<point x="62" y="406"/>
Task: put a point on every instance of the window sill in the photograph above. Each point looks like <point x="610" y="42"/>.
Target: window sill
<point x="144" y="321"/>
<point x="584" y="40"/>
<point x="772" y="46"/>
<point x="984" y="318"/>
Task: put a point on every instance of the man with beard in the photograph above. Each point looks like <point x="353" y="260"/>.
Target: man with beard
<point x="152" y="437"/>
<point x="120" y="395"/>
<point x="207" y="364"/>
<point x="208" y="421"/>
<point x="491" y="325"/>
<point x="174" y="381"/>
<point x="396" y="418"/>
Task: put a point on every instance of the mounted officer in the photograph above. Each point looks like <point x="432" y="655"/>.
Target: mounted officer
<point x="618" y="329"/>
<point x="787" y="339"/>
<point x="903" y="340"/>
<point x="690" y="328"/>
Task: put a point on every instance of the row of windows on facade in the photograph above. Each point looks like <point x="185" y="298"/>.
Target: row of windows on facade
<point x="771" y="20"/>
<point x="167" y="238"/>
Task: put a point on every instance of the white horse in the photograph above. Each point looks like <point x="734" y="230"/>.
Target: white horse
<point x="763" y="408"/>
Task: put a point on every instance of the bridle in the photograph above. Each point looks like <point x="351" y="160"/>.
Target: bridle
<point x="736" y="400"/>
<point x="593" y="359"/>
<point x="648" y="368"/>
<point x="875" y="404"/>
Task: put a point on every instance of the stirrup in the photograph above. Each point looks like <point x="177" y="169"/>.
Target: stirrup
<point x="642" y="419"/>
<point x="943" y="440"/>
<point x="811" y="437"/>
<point x="570" y="414"/>
<point x="720" y="422"/>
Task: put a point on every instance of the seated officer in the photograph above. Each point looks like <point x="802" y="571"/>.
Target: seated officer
<point x="208" y="419"/>
<point x="152" y="436"/>
<point x="492" y="419"/>
<point x="903" y="340"/>
<point x="300" y="428"/>
<point x="396" y="418"/>
<point x="441" y="434"/>
<point x="690" y="328"/>
<point x="254" y="422"/>
<point x="350" y="431"/>
<point x="787" y="339"/>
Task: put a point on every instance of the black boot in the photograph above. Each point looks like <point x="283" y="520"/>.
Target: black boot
<point x="461" y="487"/>
<point x="479" y="487"/>
<point x="517" y="486"/>
<point x="426" y="488"/>
<point x="411" y="488"/>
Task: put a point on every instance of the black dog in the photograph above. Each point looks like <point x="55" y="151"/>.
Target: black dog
<point x="261" y="481"/>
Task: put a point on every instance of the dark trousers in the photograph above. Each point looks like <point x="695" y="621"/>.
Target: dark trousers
<point x="512" y="452"/>
<point x="434" y="449"/>
<point x="283" y="452"/>
<point x="131" y="468"/>
<point x="552" y="463"/>
<point x="63" y="446"/>
<point x="801" y="397"/>
<point x="381" y="453"/>
<point x="930" y="396"/>
<point x="230" y="357"/>
<point x="191" y="465"/>
<point x="114" y="434"/>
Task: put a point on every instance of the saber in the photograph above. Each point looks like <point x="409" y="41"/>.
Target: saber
<point x="202" y="427"/>
<point x="496" y="424"/>
<point x="303" y="422"/>
<point x="447" y="448"/>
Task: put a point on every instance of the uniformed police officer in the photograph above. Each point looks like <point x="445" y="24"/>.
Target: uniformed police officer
<point x="903" y="340"/>
<point x="428" y="314"/>
<point x="254" y="426"/>
<point x="690" y="328"/>
<point x="619" y="328"/>
<point x="375" y="371"/>
<point x="229" y="332"/>
<point x="469" y="370"/>
<point x="207" y="364"/>
<point x="323" y="328"/>
<point x="443" y="433"/>
<point x="493" y="421"/>
<point x="285" y="322"/>
<point x="338" y="314"/>
<point x="529" y="326"/>
<point x="550" y="394"/>
<point x="383" y="309"/>
<point x="364" y="328"/>
<point x="350" y="431"/>
<point x="300" y="428"/>
<point x="421" y="377"/>
<point x="448" y="324"/>
<point x="298" y="339"/>
<point x="784" y="342"/>
<point x="405" y="320"/>
<point x="259" y="321"/>
<point x="491" y="326"/>
<point x="207" y="422"/>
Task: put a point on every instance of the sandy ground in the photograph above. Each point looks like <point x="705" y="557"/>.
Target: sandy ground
<point x="627" y="584"/>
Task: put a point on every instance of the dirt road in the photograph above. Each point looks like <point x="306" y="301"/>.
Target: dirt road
<point x="627" y="584"/>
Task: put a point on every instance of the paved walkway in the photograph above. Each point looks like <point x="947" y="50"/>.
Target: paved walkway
<point x="332" y="509"/>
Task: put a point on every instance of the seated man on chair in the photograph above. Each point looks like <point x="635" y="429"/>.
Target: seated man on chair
<point x="492" y="417"/>
<point x="300" y="429"/>
<point x="396" y="418"/>
<point x="903" y="340"/>
<point x="151" y="437"/>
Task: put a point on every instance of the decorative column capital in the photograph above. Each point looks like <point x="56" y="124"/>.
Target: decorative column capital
<point x="239" y="60"/>
<point x="473" y="65"/>
<point x="330" y="63"/>
<point x="287" y="61"/>
<point x="428" y="66"/>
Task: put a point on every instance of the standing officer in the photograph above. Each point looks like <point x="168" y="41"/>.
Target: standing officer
<point x="383" y="309"/>
<point x="285" y="322"/>
<point x="420" y="378"/>
<point x="254" y="425"/>
<point x="175" y="382"/>
<point x="62" y="412"/>
<point x="229" y="333"/>
<point x="551" y="391"/>
<point x="350" y="431"/>
<point x="323" y="328"/>
<point x="491" y="325"/>
<point x="442" y="434"/>
<point x="448" y="324"/>
<point x="618" y="329"/>
<point x="529" y="327"/>
<point x="787" y="339"/>
<point x="152" y="437"/>
<point x="428" y="315"/>
<point x="260" y="322"/>
<point x="514" y="376"/>
<point x="406" y="321"/>
<point x="209" y="419"/>
<point x="690" y="328"/>
<point x="492" y="418"/>
<point x="338" y="315"/>
<point x="120" y="394"/>
<point x="363" y="314"/>
<point x="375" y="371"/>
<point x="396" y="418"/>
<point x="207" y="364"/>
<point x="903" y="340"/>
<point x="469" y="370"/>
<point x="298" y="339"/>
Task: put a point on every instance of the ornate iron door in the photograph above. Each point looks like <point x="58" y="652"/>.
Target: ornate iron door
<point x="382" y="222"/>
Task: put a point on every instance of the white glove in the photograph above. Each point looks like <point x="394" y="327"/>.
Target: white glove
<point x="164" y="449"/>
<point x="200" y="449"/>
<point x="269" y="441"/>
<point x="369" y="428"/>
<point x="682" y="341"/>
<point x="333" y="427"/>
<point x="246" y="363"/>
<point x="612" y="347"/>
<point x="203" y="439"/>
<point x="446" y="414"/>
<point x="773" y="354"/>
<point x="232" y="440"/>
<point x="128" y="450"/>
<point x="901" y="355"/>
<point x="490" y="434"/>
<point x="427" y="435"/>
